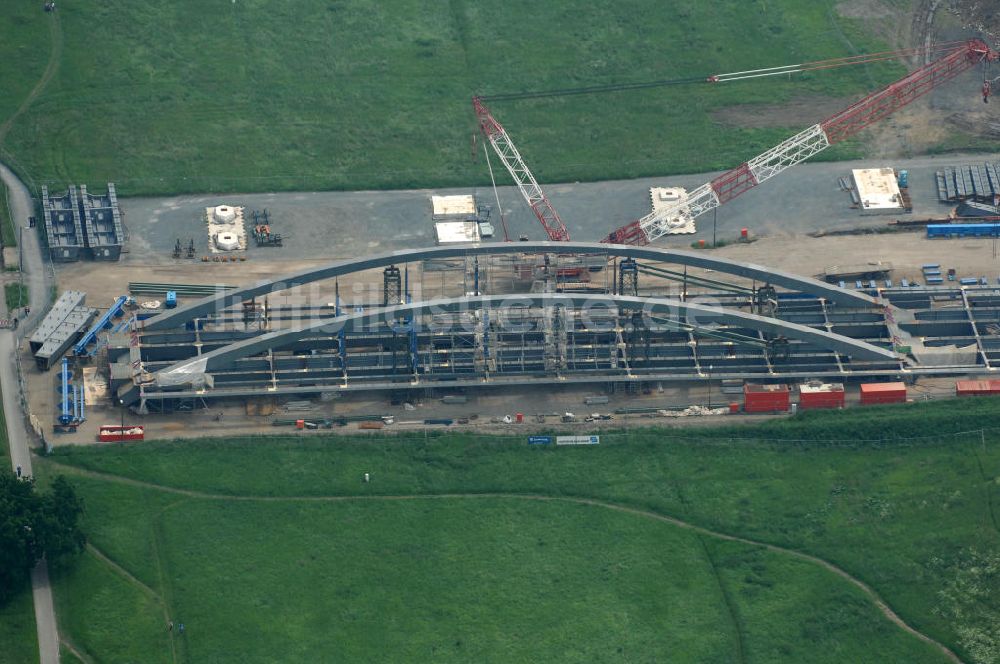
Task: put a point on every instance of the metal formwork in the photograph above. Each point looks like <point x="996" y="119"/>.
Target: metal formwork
<point x="102" y="224"/>
<point x="63" y="227"/>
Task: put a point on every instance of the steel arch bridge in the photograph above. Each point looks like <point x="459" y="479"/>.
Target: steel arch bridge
<point x="210" y="305"/>
<point x="196" y="372"/>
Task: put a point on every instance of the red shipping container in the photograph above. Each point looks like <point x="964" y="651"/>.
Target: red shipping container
<point x="872" y="393"/>
<point x="975" y="388"/>
<point x="765" y="398"/>
<point x="827" y="395"/>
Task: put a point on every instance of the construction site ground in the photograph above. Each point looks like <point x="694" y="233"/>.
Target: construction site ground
<point x="327" y="225"/>
<point x="785" y="217"/>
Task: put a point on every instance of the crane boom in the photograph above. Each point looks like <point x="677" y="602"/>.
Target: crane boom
<point x="526" y="183"/>
<point x="807" y="143"/>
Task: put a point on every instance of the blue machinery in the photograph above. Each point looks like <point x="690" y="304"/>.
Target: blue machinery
<point x="102" y="323"/>
<point x="66" y="416"/>
<point x="72" y="408"/>
<point x="963" y="230"/>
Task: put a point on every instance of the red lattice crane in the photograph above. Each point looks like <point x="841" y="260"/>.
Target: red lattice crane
<point x="809" y="142"/>
<point x="526" y="183"/>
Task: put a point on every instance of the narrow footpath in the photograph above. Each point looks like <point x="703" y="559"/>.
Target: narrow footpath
<point x="39" y="282"/>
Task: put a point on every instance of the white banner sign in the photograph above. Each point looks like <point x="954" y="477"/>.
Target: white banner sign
<point x="578" y="440"/>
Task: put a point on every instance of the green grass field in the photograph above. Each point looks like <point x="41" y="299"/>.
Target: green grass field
<point x="15" y="296"/>
<point x="275" y="546"/>
<point x="8" y="238"/>
<point x="258" y="95"/>
<point x="17" y="630"/>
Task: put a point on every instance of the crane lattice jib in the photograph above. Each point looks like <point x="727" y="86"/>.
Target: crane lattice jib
<point x="526" y="183"/>
<point x="807" y="143"/>
<point x="896" y="95"/>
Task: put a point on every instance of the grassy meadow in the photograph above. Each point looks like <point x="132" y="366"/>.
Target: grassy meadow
<point x="259" y="95"/>
<point x="275" y="543"/>
<point x="24" y="53"/>
<point x="17" y="630"/>
<point x="8" y="236"/>
<point x="15" y="295"/>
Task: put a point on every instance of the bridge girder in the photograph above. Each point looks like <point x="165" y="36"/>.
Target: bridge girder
<point x="194" y="370"/>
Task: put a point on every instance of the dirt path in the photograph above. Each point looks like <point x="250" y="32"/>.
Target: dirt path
<point x="55" y="55"/>
<point x="122" y="572"/>
<point x="727" y="600"/>
<point x="76" y="652"/>
<point x="858" y="583"/>
<point x="134" y="581"/>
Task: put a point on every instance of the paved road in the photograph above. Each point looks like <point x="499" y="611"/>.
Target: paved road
<point x="39" y="284"/>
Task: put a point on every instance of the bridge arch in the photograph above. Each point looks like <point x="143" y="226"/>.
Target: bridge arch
<point x="209" y="305"/>
<point x="195" y="369"/>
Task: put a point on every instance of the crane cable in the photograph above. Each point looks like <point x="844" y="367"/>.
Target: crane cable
<point x="503" y="222"/>
<point x="832" y="63"/>
<point x="731" y="76"/>
<point x="565" y="92"/>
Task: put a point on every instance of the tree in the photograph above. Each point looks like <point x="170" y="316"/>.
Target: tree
<point x="34" y="525"/>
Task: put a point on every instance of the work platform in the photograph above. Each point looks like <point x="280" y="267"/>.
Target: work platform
<point x="60" y="329"/>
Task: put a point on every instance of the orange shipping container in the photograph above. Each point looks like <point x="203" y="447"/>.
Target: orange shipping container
<point x="765" y="398"/>
<point x="872" y="393"/>
<point x="973" y="388"/>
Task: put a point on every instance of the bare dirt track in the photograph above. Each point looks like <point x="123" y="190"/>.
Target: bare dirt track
<point x="983" y="16"/>
<point x="798" y="111"/>
<point x="952" y="113"/>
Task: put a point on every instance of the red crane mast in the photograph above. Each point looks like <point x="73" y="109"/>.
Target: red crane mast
<point x="526" y="183"/>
